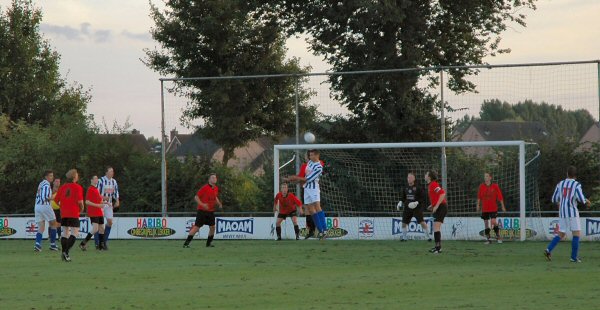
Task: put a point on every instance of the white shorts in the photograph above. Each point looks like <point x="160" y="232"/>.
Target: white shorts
<point x="108" y="211"/>
<point x="311" y="196"/>
<point x="44" y="213"/>
<point x="569" y="224"/>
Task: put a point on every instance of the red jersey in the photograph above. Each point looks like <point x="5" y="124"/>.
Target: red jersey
<point x="288" y="203"/>
<point x="208" y="194"/>
<point x="435" y="191"/>
<point x="68" y="197"/>
<point x="93" y="195"/>
<point x="489" y="195"/>
<point x="302" y="172"/>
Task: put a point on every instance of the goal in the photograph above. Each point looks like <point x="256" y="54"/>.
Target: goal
<point x="362" y="184"/>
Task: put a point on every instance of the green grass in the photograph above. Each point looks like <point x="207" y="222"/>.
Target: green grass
<point x="141" y="274"/>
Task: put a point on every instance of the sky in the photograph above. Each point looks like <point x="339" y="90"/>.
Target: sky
<point x="102" y="43"/>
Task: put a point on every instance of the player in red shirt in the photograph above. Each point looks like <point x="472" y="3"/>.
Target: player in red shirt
<point x="439" y="207"/>
<point x="70" y="200"/>
<point x="489" y="193"/>
<point x="207" y="198"/>
<point x="93" y="200"/>
<point x="287" y="204"/>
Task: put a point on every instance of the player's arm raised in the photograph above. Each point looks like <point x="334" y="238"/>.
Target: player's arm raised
<point x="294" y="179"/>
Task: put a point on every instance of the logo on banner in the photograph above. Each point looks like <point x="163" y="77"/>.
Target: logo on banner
<point x="510" y="229"/>
<point x="413" y="227"/>
<point x="235" y="229"/>
<point x="554" y="227"/>
<point x="31" y="227"/>
<point x="189" y="224"/>
<point x="333" y="228"/>
<point x="84" y="226"/>
<point x="151" y="228"/>
<point x="366" y="228"/>
<point x="456" y="227"/>
<point x="592" y="227"/>
<point x="5" y="229"/>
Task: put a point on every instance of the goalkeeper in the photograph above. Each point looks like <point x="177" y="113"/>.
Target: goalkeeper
<point x="413" y="199"/>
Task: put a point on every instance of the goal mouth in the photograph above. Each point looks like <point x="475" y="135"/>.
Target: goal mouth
<point x="364" y="182"/>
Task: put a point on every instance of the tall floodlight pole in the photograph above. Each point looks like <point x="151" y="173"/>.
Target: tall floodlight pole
<point x="296" y="99"/>
<point x="443" y="123"/>
<point x="163" y="152"/>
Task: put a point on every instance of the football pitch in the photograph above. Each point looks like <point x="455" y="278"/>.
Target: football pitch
<point x="330" y="274"/>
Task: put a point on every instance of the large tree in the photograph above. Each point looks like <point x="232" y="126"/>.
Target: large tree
<point x="223" y="38"/>
<point x="31" y="88"/>
<point x="370" y="35"/>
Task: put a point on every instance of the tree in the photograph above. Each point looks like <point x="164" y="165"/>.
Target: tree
<point x="223" y="38"/>
<point x="31" y="88"/>
<point x="558" y="121"/>
<point x="370" y="35"/>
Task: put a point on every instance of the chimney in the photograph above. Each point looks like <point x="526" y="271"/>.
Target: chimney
<point x="173" y="133"/>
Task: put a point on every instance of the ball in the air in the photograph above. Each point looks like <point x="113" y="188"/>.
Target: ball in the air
<point x="309" y="137"/>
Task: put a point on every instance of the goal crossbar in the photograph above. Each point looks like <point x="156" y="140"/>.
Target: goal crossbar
<point x="518" y="143"/>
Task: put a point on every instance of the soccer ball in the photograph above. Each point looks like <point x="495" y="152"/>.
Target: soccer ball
<point x="399" y="205"/>
<point x="309" y="137"/>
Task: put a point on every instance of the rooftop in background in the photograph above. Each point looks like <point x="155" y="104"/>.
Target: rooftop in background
<point x="503" y="131"/>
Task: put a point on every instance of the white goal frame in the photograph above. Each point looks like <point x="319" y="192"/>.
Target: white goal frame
<point x="520" y="144"/>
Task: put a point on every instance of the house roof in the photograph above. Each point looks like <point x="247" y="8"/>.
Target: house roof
<point x="194" y="144"/>
<point x="135" y="140"/>
<point x="499" y="131"/>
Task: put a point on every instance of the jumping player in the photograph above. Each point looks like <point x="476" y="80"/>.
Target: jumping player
<point x="93" y="201"/>
<point x="567" y="193"/>
<point x="439" y="208"/>
<point x="413" y="198"/>
<point x="312" y="193"/>
<point x="489" y="193"/>
<point x="44" y="213"/>
<point x="70" y="199"/>
<point x="206" y="198"/>
<point x="287" y="203"/>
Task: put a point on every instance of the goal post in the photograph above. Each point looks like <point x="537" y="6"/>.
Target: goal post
<point x="419" y="157"/>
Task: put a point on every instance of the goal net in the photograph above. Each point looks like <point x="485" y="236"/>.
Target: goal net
<point x="362" y="185"/>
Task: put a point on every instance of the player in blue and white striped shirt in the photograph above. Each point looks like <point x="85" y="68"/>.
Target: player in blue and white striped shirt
<point x="109" y="190"/>
<point x="44" y="212"/>
<point x="312" y="192"/>
<point x="567" y="193"/>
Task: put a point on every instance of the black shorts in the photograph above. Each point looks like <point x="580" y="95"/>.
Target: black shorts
<point x="489" y="215"/>
<point x="97" y="219"/>
<point x="57" y="214"/>
<point x="70" y="222"/>
<point x="205" y="218"/>
<point x="409" y="213"/>
<point x="284" y="216"/>
<point x="440" y="214"/>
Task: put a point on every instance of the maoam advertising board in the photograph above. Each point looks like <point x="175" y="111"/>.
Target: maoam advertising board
<point x="339" y="228"/>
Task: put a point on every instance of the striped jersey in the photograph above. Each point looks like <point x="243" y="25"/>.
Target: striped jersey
<point x="44" y="193"/>
<point x="313" y="172"/>
<point x="567" y="193"/>
<point x="108" y="188"/>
